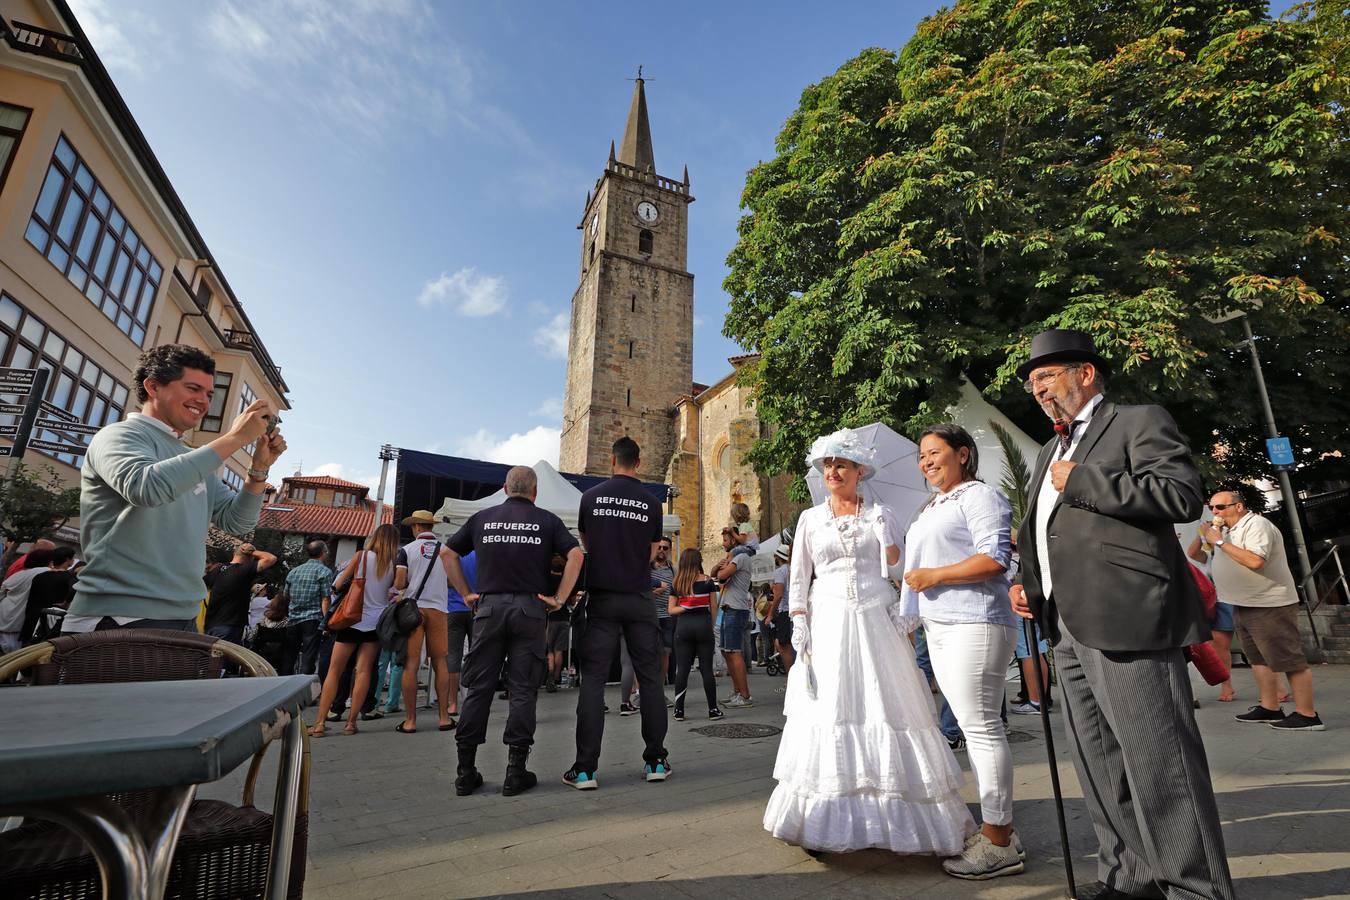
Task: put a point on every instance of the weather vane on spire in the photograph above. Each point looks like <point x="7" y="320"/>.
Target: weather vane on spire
<point x="640" y="76"/>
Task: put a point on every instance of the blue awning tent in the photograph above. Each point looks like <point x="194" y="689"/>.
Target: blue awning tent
<point x="426" y="480"/>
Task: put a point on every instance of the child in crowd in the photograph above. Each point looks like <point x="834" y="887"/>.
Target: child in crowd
<point x="745" y="532"/>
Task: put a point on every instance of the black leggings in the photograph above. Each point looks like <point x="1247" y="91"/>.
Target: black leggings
<point x="694" y="638"/>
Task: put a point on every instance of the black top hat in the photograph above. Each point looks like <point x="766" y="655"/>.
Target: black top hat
<point x="1061" y="345"/>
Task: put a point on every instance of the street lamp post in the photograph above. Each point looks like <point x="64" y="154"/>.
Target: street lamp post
<point x="387" y="453"/>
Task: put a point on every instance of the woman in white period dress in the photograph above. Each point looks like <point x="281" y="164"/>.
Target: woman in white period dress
<point x="861" y="762"/>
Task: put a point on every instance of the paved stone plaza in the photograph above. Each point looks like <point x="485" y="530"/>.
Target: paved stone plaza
<point x="385" y="821"/>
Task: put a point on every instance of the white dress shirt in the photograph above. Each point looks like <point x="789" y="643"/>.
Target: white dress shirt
<point x="1048" y="497"/>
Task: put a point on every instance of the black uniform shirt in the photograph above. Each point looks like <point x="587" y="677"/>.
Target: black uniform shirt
<point x="515" y="543"/>
<point x="621" y="521"/>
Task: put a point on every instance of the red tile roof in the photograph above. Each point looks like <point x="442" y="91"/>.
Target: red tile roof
<point x="325" y="481"/>
<point x="298" y="518"/>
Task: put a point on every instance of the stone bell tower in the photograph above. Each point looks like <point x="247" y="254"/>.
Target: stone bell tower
<point x="630" y="357"/>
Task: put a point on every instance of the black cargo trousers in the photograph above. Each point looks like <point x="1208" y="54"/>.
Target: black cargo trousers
<point x="510" y="626"/>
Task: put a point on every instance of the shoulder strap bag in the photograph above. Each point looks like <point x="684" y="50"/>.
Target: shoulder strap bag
<point x="348" y="612"/>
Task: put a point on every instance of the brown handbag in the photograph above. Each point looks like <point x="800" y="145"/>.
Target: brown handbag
<point x="348" y="612"/>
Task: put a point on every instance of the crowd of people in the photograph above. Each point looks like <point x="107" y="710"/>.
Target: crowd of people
<point x="865" y="613"/>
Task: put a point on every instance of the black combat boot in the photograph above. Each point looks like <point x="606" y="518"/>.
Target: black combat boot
<point x="518" y="780"/>
<point x="468" y="779"/>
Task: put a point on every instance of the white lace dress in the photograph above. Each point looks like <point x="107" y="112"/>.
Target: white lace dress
<point x="862" y="764"/>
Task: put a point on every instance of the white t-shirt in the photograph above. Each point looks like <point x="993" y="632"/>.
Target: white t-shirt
<point x="1273" y="585"/>
<point x="416" y="556"/>
<point x="781" y="575"/>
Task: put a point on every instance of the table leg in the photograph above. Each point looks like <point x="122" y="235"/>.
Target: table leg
<point x="112" y="837"/>
<point x="162" y="824"/>
<point x="285" y="808"/>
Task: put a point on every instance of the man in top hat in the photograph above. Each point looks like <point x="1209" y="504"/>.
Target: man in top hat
<point x="1103" y="574"/>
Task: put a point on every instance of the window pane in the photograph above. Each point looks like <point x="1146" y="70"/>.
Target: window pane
<point x="93" y="292"/>
<point x="65" y="386"/>
<point x="133" y="287"/>
<point x="114" y="414"/>
<point x="155" y="272"/>
<point x="32" y="330"/>
<point x="115" y="222"/>
<point x="114" y="285"/>
<point x="109" y="306"/>
<point x="53" y="345"/>
<point x="88" y="234"/>
<point x="9" y="312"/>
<point x="101" y="201"/>
<point x="82" y="395"/>
<point x="58" y="256"/>
<point x="143" y="255"/>
<point x="96" y="411"/>
<point x="105" y="252"/>
<point x="76" y="276"/>
<point x="51" y="192"/>
<point x="119" y="395"/>
<point x="7" y="143"/>
<point x="36" y="234"/>
<point x="13" y="116"/>
<point x="124" y="323"/>
<point x="74" y="359"/>
<point x="65" y="154"/>
<point x="131" y="240"/>
<point x="4" y="344"/>
<point x="147" y="297"/>
<point x="84" y="178"/>
<point x="105" y="384"/>
<point x="138" y="335"/>
<point x="22" y="357"/>
<point x="70" y="217"/>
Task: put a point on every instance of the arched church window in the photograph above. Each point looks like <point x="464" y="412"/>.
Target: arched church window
<point x="645" y="241"/>
<point x="724" y="459"/>
<point x="591" y="261"/>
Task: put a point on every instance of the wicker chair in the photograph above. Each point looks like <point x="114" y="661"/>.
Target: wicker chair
<point x="223" y="850"/>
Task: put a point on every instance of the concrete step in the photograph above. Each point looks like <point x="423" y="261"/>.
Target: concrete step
<point x="1336" y="643"/>
<point x="1340" y="629"/>
<point x="1339" y="657"/>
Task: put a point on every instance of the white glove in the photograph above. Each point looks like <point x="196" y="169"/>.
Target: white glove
<point x="883" y="531"/>
<point x="801" y="635"/>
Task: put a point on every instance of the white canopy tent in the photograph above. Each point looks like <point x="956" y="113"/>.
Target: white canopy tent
<point x="556" y="494"/>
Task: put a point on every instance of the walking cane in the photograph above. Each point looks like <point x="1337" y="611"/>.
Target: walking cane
<point x="1035" y="645"/>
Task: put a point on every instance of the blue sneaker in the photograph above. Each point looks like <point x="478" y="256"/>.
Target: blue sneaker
<point x="659" y="770"/>
<point x="582" y="781"/>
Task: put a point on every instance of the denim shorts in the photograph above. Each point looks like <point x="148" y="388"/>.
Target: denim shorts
<point x="735" y="622"/>
<point x="1223" y="617"/>
<point x="1023" y="651"/>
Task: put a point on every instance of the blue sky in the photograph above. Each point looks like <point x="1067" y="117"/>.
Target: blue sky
<point x="399" y="183"/>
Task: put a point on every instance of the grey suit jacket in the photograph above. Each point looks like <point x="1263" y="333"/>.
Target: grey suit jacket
<point x="1121" y="581"/>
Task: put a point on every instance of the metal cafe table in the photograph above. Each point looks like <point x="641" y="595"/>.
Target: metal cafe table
<point x="63" y="748"/>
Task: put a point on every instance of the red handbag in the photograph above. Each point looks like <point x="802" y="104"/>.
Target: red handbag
<point x="348" y="612"/>
<point x="1208" y="663"/>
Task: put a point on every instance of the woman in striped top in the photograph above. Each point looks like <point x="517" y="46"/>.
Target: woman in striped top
<point x="693" y="600"/>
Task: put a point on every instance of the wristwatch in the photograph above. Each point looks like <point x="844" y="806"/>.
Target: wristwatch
<point x="1220" y="542"/>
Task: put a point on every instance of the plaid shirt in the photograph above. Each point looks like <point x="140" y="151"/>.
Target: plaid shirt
<point x="309" y="584"/>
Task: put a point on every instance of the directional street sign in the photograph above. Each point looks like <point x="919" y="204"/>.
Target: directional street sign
<point x="8" y="430"/>
<point x="57" y="447"/>
<point x="54" y="410"/>
<point x="1280" y="451"/>
<point x="17" y="381"/>
<point x="6" y="451"/>
<point x="11" y="409"/>
<point x="58" y="425"/>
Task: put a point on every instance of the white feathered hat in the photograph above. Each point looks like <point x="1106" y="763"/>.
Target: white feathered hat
<point x="846" y="443"/>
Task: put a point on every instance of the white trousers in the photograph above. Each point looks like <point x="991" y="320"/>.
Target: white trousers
<point x="970" y="663"/>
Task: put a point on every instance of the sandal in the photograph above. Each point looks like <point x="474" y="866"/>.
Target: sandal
<point x="401" y="730"/>
<point x="350" y="728"/>
<point x="318" y="730"/>
<point x="449" y="726"/>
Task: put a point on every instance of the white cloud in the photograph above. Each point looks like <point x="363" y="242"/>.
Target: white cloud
<point x="104" y="28"/>
<point x="467" y="292"/>
<point x="520" y="449"/>
<point x="370" y="479"/>
<point x="553" y="337"/>
<point x="551" y="409"/>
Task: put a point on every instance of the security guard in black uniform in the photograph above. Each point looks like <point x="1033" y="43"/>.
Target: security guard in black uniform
<point x="515" y="543"/>
<point x="620" y="521"/>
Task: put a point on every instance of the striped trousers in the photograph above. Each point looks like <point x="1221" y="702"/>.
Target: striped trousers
<point x="1140" y="760"/>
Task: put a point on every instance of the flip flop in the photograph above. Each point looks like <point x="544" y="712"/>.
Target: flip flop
<point x="350" y="729"/>
<point x="401" y="730"/>
<point x="317" y="731"/>
<point x="450" y="727"/>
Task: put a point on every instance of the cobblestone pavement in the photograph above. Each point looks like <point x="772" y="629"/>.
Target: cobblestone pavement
<point x="385" y="821"/>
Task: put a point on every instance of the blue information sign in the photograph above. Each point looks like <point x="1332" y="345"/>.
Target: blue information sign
<point x="1279" y="451"/>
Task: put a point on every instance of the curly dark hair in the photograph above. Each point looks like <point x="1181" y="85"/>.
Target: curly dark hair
<point x="165" y="364"/>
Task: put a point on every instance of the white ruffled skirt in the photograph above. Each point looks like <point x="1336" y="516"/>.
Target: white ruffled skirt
<point x="864" y="764"/>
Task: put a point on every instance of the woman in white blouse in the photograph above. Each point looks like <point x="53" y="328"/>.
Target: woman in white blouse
<point x="861" y="762"/>
<point x="957" y="553"/>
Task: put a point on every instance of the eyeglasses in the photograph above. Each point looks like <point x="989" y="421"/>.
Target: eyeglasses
<point x="1041" y="378"/>
<point x="1220" y="507"/>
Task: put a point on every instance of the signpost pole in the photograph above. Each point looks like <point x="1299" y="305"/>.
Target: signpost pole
<point x="30" y="411"/>
<point x="1286" y="486"/>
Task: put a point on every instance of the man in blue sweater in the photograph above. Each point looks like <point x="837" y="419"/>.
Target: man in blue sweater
<point x="146" y="499"/>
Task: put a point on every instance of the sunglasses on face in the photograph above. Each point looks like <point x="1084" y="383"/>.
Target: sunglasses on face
<point x="1220" y="507"/>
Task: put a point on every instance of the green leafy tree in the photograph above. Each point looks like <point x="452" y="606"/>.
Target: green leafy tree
<point x="34" y="504"/>
<point x="1020" y="165"/>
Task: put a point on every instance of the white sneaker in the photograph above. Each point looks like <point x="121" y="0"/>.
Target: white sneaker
<point x="1016" y="843"/>
<point x="1029" y="708"/>
<point x="726" y="701"/>
<point x="739" y="702"/>
<point x="982" y="859"/>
